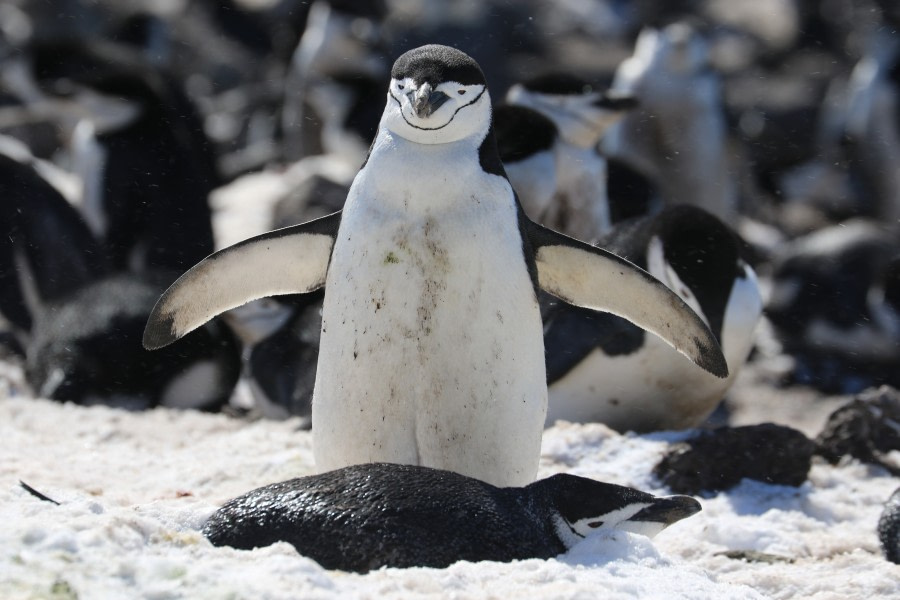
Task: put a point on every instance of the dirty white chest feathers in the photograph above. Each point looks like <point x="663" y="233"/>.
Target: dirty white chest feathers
<point x="432" y="350"/>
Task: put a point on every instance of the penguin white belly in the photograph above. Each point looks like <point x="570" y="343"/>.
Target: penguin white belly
<point x="645" y="391"/>
<point x="431" y="348"/>
<point x="580" y="207"/>
<point x="655" y="388"/>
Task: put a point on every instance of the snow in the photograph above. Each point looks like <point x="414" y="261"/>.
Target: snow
<point x="135" y="488"/>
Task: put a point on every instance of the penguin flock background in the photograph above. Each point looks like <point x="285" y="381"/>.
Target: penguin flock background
<point x="434" y="166"/>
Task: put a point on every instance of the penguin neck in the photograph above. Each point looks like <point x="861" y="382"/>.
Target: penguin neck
<point x="434" y="176"/>
<point x="537" y="499"/>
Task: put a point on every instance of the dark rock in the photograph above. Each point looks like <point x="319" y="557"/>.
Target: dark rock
<point x="889" y="528"/>
<point x="718" y="459"/>
<point x="865" y="428"/>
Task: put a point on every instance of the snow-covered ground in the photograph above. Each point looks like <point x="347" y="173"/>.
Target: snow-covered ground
<point x="135" y="488"/>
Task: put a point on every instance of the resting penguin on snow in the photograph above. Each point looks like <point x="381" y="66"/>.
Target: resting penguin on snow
<point x="602" y="368"/>
<point x="364" y="517"/>
<point x="431" y="349"/>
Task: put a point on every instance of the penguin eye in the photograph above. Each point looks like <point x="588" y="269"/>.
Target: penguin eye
<point x="399" y="86"/>
<point x="461" y="92"/>
<point x="595" y="524"/>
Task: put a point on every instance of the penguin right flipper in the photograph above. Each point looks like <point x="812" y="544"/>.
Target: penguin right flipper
<point x="292" y="260"/>
<point x="590" y="277"/>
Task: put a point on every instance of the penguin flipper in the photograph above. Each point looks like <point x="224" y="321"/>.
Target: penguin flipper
<point x="591" y="277"/>
<point x="291" y="260"/>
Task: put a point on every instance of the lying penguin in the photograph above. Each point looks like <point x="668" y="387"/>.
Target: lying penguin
<point x="602" y="368"/>
<point x="431" y="350"/>
<point x="364" y="517"/>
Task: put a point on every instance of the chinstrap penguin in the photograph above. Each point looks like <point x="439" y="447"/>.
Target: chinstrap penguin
<point x="835" y="306"/>
<point x="580" y="115"/>
<point x="431" y="254"/>
<point x="364" y="517"/>
<point x="139" y="146"/>
<point x="677" y="136"/>
<point x="602" y="368"/>
<point x="79" y="320"/>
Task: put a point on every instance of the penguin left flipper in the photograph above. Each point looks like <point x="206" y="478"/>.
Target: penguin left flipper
<point x="291" y="260"/>
<point x="591" y="277"/>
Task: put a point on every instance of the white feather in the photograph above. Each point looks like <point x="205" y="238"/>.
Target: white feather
<point x="431" y="348"/>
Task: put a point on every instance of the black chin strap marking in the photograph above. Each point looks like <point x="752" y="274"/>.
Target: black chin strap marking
<point x="474" y="100"/>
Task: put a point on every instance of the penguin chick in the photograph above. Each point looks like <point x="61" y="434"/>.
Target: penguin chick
<point x="369" y="516"/>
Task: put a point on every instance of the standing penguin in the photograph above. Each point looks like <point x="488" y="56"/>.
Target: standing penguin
<point x="579" y="116"/>
<point x="431" y="349"/>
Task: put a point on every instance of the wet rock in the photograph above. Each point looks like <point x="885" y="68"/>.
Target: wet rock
<point x="720" y="458"/>
<point x="889" y="528"/>
<point x="866" y="428"/>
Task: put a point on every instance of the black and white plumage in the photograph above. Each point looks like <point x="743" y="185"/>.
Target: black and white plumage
<point x="80" y="320"/>
<point x="334" y="83"/>
<point x="835" y="305"/>
<point x="140" y="149"/>
<point x="280" y="336"/>
<point x="369" y="516"/>
<point x="560" y="155"/>
<point x="430" y="254"/>
<point x="867" y="131"/>
<point x="677" y="136"/>
<point x="602" y="368"/>
<point x="889" y="528"/>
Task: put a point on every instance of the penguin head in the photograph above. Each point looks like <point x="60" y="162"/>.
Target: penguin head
<point x="699" y="258"/>
<point x="437" y="95"/>
<point x="579" y="506"/>
<point x="580" y="112"/>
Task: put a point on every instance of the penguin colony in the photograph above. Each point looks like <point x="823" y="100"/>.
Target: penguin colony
<point x="72" y="310"/>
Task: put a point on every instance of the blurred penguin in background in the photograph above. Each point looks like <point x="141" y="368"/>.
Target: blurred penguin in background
<point x="552" y="158"/>
<point x="677" y="135"/>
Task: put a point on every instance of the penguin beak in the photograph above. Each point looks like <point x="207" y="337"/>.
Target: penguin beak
<point x="668" y="510"/>
<point x="427" y="100"/>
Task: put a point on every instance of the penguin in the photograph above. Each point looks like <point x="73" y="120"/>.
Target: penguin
<point x="431" y="348"/>
<point x="677" y="137"/>
<point x="835" y="305"/>
<point x="333" y="86"/>
<point x="79" y="321"/>
<point x="140" y="150"/>
<point x="579" y="116"/>
<point x="280" y="338"/>
<point x="889" y="528"/>
<point x="868" y="135"/>
<point x="365" y="517"/>
<point x="602" y="368"/>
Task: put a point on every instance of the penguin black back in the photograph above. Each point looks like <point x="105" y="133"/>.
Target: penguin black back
<point x="703" y="252"/>
<point x="369" y="516"/>
<point x="522" y="132"/>
<point x="157" y="169"/>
